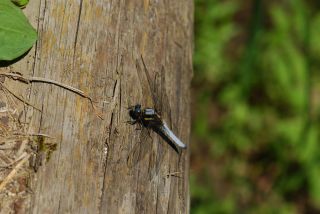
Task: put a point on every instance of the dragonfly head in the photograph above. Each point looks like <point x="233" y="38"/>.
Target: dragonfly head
<point x="136" y="112"/>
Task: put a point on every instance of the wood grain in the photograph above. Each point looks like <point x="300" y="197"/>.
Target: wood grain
<point x="96" y="46"/>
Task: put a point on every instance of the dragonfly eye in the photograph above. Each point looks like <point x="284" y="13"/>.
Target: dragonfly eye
<point x="135" y="112"/>
<point x="137" y="109"/>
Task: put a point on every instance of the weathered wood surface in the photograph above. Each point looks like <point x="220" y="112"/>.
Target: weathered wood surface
<point x="96" y="46"/>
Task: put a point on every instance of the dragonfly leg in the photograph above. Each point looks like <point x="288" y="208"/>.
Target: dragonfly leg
<point x="131" y="122"/>
<point x="139" y="127"/>
<point x="149" y="132"/>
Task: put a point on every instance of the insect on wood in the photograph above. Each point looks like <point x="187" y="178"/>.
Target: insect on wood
<point x="150" y="119"/>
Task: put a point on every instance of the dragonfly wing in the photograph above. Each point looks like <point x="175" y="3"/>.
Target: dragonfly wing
<point x="134" y="155"/>
<point x="143" y="152"/>
<point x="140" y="149"/>
<point x="167" y="132"/>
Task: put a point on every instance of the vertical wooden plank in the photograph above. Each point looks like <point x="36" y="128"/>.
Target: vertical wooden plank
<point x="96" y="46"/>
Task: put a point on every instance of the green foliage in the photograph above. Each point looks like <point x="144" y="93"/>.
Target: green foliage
<point x="213" y="23"/>
<point x="16" y="34"/>
<point x="20" y="3"/>
<point x="256" y="77"/>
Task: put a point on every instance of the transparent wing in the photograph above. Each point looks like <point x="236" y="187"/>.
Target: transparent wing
<point x="143" y="152"/>
<point x="153" y="86"/>
<point x="140" y="149"/>
<point x="172" y="137"/>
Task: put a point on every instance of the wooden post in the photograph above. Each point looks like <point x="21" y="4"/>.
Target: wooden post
<point x="119" y="53"/>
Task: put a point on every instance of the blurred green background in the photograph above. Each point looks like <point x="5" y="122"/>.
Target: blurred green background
<point x="256" y="107"/>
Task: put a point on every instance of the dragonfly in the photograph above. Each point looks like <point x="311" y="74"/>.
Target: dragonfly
<point x="150" y="119"/>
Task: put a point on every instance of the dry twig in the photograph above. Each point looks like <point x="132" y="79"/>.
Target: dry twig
<point x="44" y="80"/>
<point x="19" y="98"/>
<point x="13" y="172"/>
<point x="27" y="80"/>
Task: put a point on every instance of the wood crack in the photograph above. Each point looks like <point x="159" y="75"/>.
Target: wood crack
<point x="77" y="29"/>
<point x="116" y="91"/>
<point x="105" y="164"/>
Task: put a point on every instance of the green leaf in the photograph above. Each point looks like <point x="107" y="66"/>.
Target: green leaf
<point x="20" y="3"/>
<point x="16" y="34"/>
